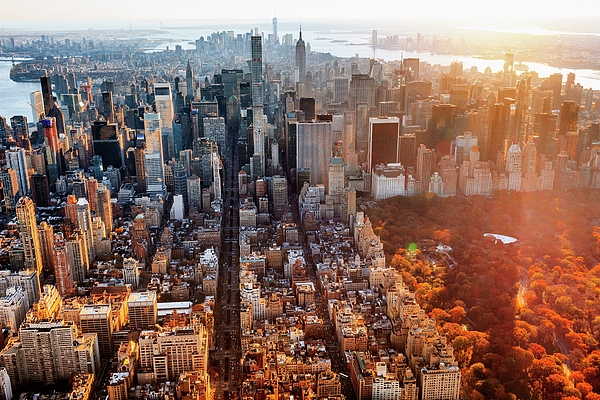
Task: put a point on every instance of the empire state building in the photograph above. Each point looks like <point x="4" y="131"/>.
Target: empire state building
<point x="301" y="58"/>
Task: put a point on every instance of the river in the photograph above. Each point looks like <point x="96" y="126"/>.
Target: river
<point x="339" y="42"/>
<point x="14" y="96"/>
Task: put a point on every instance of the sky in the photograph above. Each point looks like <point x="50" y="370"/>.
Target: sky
<point x="127" y="10"/>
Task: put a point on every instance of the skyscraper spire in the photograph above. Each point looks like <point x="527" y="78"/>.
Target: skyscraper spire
<point x="301" y="58"/>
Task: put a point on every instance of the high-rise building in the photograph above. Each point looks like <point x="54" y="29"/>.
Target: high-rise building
<point x="215" y="130"/>
<point x="28" y="232"/>
<point x="440" y="381"/>
<point x="449" y="175"/>
<point x="84" y="223"/>
<point x="153" y="157"/>
<point x="6" y="392"/>
<point x="383" y="141"/>
<point x="143" y="310"/>
<point x="131" y="272"/>
<point x="275" y="34"/>
<point x="40" y="190"/>
<point x="108" y="108"/>
<point x="47" y="94"/>
<point x="336" y="176"/>
<point x="544" y="127"/>
<point x="37" y="102"/>
<point x="280" y="195"/>
<point x="494" y="141"/>
<point x="174" y="351"/>
<point x="164" y="107"/>
<point x="49" y="352"/>
<point x="464" y="144"/>
<point x="194" y="192"/>
<point x="96" y="319"/>
<point x="301" y="58"/>
<point x="514" y="167"/>
<point x="46" y="232"/>
<point x="51" y="109"/>
<point x="258" y="132"/>
<point x="15" y="159"/>
<point x="108" y="144"/>
<point x="341" y="86"/>
<point x="13" y="308"/>
<point x="62" y="266"/>
<point x="180" y="182"/>
<point x="412" y="65"/>
<point x="78" y="256"/>
<point x="555" y="81"/>
<point x="407" y="149"/>
<point x="18" y="123"/>
<point x="362" y="90"/>
<point x="4" y="131"/>
<point x="314" y="148"/>
<point x="104" y="207"/>
<point x="10" y="189"/>
<point x="442" y="126"/>
<point x="425" y="164"/>
<point x="307" y="106"/>
<point x="568" y="118"/>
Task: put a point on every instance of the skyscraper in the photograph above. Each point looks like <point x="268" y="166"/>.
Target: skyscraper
<point x="383" y="141"/>
<point x="50" y="107"/>
<point x="425" y="160"/>
<point x="164" y="107"/>
<point x="46" y="232"/>
<point x="62" y="266"/>
<point x="336" y="176"/>
<point x="301" y="58"/>
<point x="313" y="148"/>
<point x="107" y="143"/>
<point x="257" y="101"/>
<point x="37" y="102"/>
<point x="108" y="107"/>
<point x="77" y="252"/>
<point x="555" y="81"/>
<point x="494" y="141"/>
<point x="442" y="126"/>
<point x="275" y="35"/>
<point x="153" y="157"/>
<point x="96" y="319"/>
<point x="362" y="90"/>
<point x="10" y="188"/>
<point x="142" y="310"/>
<point x="84" y="222"/>
<point x="103" y="207"/>
<point x="15" y="159"/>
<point x="567" y="121"/>
<point x="48" y="354"/>
<point x="412" y="65"/>
<point x="28" y="232"/>
<point x="340" y="88"/>
<point x="189" y="84"/>
<point x="215" y="130"/>
<point x="40" y="190"/>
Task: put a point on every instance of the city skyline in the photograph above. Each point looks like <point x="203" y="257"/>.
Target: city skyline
<point x="325" y="212"/>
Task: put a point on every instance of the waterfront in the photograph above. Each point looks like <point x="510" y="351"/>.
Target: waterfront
<point x="340" y="41"/>
<point x="351" y="43"/>
<point x="14" y="96"/>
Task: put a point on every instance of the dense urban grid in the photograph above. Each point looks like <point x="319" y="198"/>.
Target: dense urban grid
<point x="193" y="224"/>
